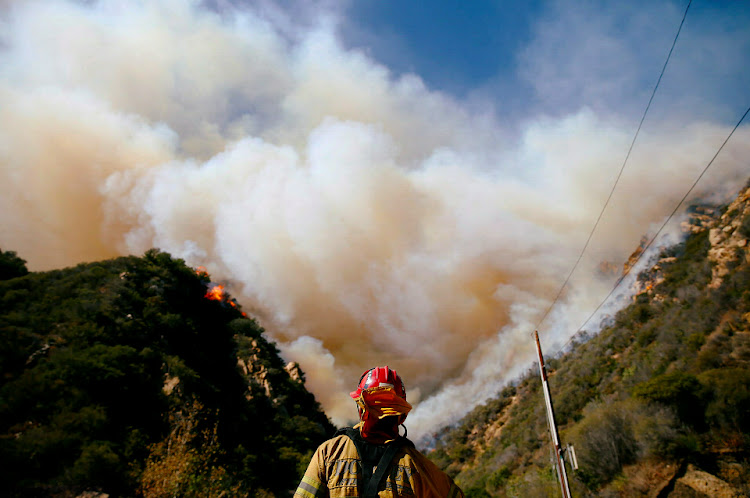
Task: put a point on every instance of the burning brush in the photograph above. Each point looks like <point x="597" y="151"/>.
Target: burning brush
<point x="215" y="292"/>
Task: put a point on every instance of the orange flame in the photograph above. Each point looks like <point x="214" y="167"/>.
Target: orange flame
<point x="216" y="293"/>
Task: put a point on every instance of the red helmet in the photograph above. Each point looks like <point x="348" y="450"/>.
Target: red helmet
<point x="380" y="377"/>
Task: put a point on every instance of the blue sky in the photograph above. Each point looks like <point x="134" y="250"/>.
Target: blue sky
<point x="454" y="45"/>
<point x="600" y="54"/>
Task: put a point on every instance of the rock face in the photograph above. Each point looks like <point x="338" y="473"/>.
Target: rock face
<point x="728" y="237"/>
<point x="649" y="279"/>
<point x="295" y="372"/>
<point x="266" y="374"/>
<point x="254" y="368"/>
<point x="699" y="484"/>
<point x="701" y="217"/>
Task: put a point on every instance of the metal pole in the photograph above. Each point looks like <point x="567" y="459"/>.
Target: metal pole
<point x="561" y="473"/>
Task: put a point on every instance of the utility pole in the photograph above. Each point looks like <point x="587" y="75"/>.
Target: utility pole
<point x="562" y="475"/>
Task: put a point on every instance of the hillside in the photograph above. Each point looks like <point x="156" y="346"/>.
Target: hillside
<point x="138" y="377"/>
<point x="125" y="377"/>
<point x="656" y="404"/>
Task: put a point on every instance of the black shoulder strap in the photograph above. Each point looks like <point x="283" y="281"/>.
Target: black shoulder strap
<point x="371" y="484"/>
<point x="385" y="462"/>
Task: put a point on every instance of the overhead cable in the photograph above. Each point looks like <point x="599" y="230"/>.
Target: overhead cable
<point x="645" y="249"/>
<point x="622" y="168"/>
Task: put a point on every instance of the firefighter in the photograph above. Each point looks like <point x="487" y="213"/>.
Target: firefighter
<point x="371" y="459"/>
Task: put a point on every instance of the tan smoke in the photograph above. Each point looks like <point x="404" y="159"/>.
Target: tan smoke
<point x="354" y="211"/>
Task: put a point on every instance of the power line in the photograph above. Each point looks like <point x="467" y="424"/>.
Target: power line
<point x="622" y="168"/>
<point x="645" y="249"/>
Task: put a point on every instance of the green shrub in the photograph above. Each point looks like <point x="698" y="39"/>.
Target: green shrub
<point x="696" y="340"/>
<point x="98" y="466"/>
<point x="679" y="390"/>
<point x="729" y="404"/>
<point x="535" y="482"/>
<point x="475" y="492"/>
<point x="11" y="266"/>
<point x="499" y="477"/>
<point x="604" y="442"/>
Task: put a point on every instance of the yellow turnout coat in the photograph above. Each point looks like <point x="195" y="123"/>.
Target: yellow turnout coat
<point x="336" y="471"/>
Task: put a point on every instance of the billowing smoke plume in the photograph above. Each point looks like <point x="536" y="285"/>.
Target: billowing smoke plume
<point x="363" y="217"/>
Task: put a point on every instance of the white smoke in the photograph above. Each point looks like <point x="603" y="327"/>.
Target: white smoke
<point x="363" y="217"/>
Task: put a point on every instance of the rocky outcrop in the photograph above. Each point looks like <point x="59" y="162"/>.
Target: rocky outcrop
<point x="295" y="372"/>
<point x="283" y="383"/>
<point x="255" y="369"/>
<point x="633" y="259"/>
<point x="728" y="238"/>
<point x="700" y="218"/>
<point x="649" y="279"/>
<point x="170" y="383"/>
<point x="699" y="484"/>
